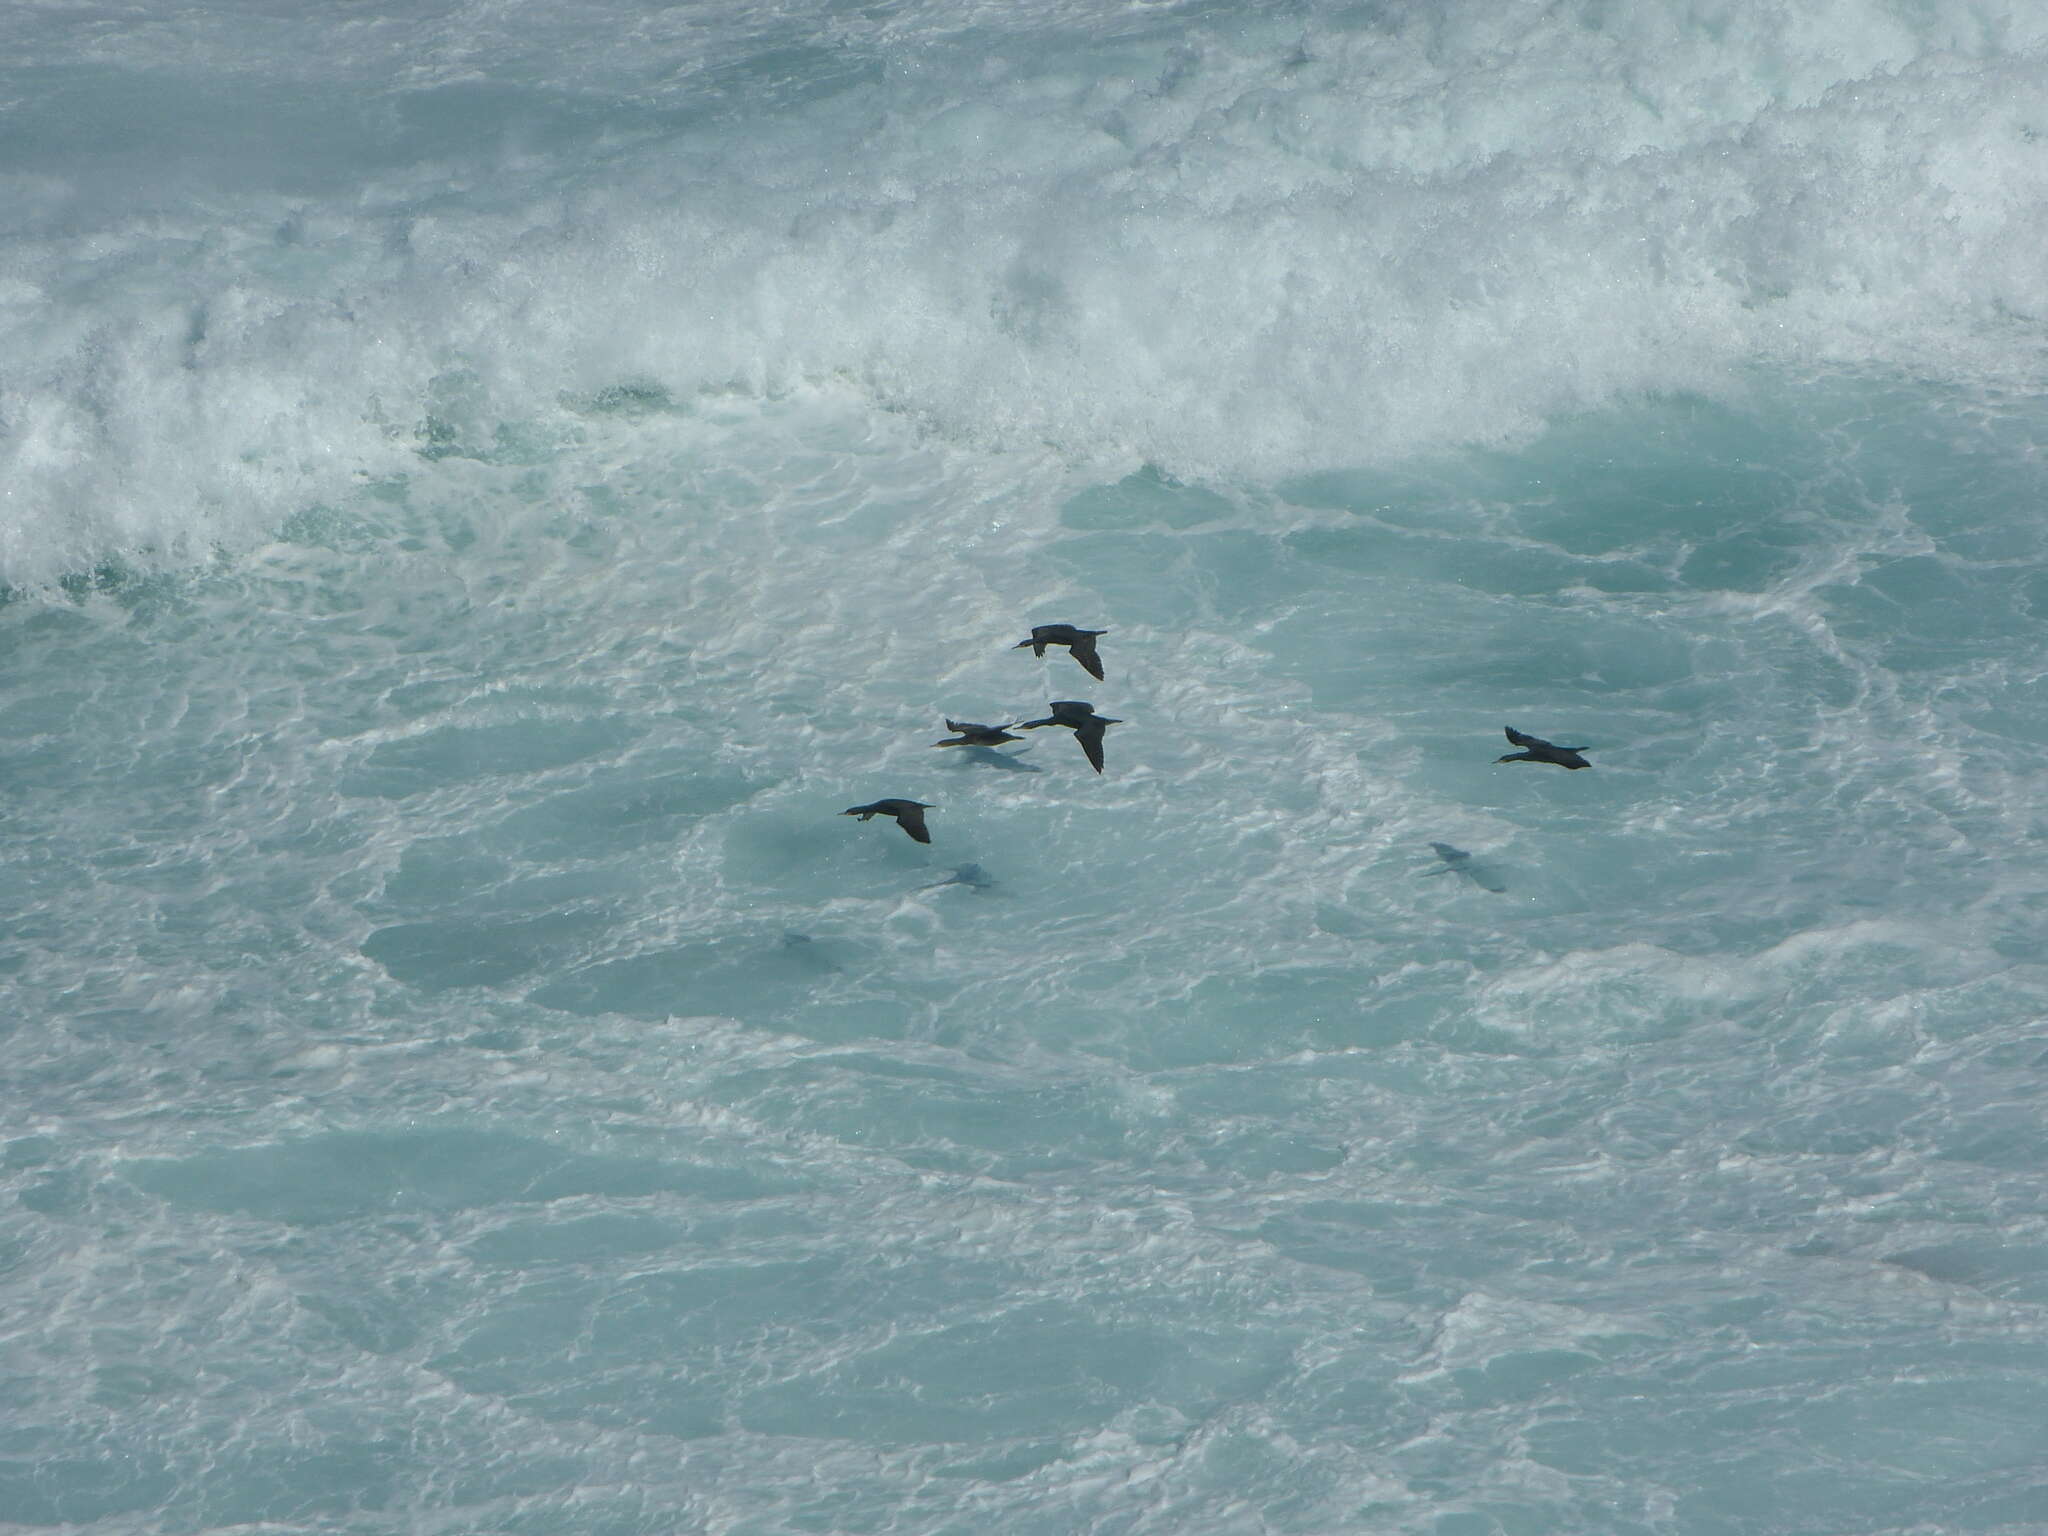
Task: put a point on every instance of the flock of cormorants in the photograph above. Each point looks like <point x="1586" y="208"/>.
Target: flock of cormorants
<point x="1088" y="727"/>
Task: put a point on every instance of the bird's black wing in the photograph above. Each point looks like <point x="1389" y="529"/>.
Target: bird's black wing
<point x="1522" y="740"/>
<point x="911" y="820"/>
<point x="1083" y="651"/>
<point x="1089" y="734"/>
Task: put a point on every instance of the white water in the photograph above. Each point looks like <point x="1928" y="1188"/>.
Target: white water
<point x="485" y="486"/>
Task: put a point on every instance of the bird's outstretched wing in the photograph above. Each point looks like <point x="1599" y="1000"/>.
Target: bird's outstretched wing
<point x="1522" y="740"/>
<point x="1083" y="651"/>
<point x="1090" y="734"/>
<point x="912" y="821"/>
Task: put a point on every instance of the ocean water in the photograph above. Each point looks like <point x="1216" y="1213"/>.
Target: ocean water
<point x="483" y="485"/>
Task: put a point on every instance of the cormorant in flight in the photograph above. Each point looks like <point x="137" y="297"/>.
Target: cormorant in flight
<point x="1081" y="719"/>
<point x="1080" y="644"/>
<point x="909" y="815"/>
<point x="1541" y="751"/>
<point x="971" y="735"/>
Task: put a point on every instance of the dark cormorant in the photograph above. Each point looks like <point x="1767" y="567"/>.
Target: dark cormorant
<point x="909" y="815"/>
<point x="1540" y="751"/>
<point x="1081" y="719"/>
<point x="1080" y="644"/>
<point x="971" y="735"/>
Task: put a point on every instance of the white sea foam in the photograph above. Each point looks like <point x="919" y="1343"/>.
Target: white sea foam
<point x="1230" y="246"/>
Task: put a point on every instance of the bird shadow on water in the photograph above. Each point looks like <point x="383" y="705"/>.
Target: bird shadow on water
<point x="1456" y="861"/>
<point x="972" y="876"/>
<point x="799" y="953"/>
<point x="988" y="757"/>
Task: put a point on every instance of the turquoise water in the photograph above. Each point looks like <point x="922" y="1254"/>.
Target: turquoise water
<point x="485" y="490"/>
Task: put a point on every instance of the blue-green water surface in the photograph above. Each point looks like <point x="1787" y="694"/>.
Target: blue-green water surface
<point x="461" y="1073"/>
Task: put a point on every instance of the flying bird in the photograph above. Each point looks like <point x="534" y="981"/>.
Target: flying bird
<point x="1081" y="719"/>
<point x="909" y="815"/>
<point x="968" y="734"/>
<point x="1080" y="644"/>
<point x="1538" y="750"/>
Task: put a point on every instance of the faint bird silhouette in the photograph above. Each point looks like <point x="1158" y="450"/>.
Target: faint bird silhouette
<point x="973" y="876"/>
<point x="1458" y="862"/>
